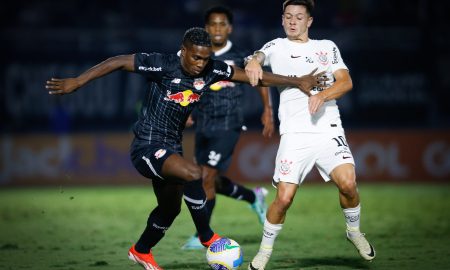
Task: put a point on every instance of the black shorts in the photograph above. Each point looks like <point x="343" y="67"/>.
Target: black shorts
<point x="148" y="159"/>
<point x="215" y="148"/>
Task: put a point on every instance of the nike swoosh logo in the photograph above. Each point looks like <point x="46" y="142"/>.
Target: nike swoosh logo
<point x="346" y="157"/>
<point x="372" y="251"/>
<point x="295" y="56"/>
<point x="230" y="247"/>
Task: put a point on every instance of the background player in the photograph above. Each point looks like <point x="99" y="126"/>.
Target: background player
<point x="310" y="127"/>
<point x="175" y="84"/>
<point x="219" y="118"/>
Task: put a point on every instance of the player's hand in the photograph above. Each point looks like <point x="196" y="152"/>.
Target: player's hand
<point x="267" y="121"/>
<point x="254" y="72"/>
<point x="307" y="82"/>
<point x="190" y="121"/>
<point x="62" y="86"/>
<point x="315" y="102"/>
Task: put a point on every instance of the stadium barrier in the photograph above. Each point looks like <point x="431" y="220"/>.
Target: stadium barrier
<point x="96" y="159"/>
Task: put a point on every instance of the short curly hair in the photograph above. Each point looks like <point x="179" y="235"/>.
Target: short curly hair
<point x="197" y="36"/>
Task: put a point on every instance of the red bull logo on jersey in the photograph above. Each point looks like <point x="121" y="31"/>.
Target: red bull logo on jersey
<point x="323" y="59"/>
<point x="183" y="98"/>
<point x="221" y="84"/>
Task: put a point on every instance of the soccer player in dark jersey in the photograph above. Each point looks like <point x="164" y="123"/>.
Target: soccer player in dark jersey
<point x="219" y="119"/>
<point x="175" y="85"/>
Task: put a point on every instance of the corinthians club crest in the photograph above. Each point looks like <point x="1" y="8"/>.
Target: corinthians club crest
<point x="323" y="59"/>
<point x="285" y="167"/>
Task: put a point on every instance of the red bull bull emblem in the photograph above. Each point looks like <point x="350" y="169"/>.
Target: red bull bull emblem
<point x="183" y="98"/>
<point x="199" y="83"/>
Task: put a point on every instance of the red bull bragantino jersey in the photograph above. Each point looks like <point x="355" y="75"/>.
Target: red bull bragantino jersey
<point x="220" y="108"/>
<point x="171" y="95"/>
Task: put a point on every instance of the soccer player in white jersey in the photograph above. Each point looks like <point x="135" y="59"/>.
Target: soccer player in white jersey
<point x="310" y="126"/>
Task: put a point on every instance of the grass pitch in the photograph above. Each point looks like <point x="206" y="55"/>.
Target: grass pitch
<point x="93" y="227"/>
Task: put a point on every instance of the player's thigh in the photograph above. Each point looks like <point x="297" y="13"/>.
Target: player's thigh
<point x="334" y="154"/>
<point x="295" y="158"/>
<point x="177" y="167"/>
<point x="215" y="148"/>
<point x="344" y="175"/>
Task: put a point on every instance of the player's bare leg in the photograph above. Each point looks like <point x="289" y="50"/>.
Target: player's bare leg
<point x="276" y="214"/>
<point x="345" y="179"/>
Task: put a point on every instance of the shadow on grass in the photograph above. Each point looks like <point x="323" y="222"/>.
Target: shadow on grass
<point x="197" y="266"/>
<point x="324" y="262"/>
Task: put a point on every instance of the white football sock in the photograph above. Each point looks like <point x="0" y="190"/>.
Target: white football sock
<point x="352" y="218"/>
<point x="270" y="233"/>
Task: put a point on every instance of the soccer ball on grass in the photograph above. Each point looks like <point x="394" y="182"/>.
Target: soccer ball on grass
<point x="224" y="254"/>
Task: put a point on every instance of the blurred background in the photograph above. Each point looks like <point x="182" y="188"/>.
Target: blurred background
<point x="397" y="118"/>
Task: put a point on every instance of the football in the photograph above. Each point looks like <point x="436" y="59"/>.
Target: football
<point x="224" y="254"/>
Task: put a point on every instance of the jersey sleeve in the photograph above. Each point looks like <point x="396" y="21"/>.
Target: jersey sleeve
<point x="149" y="65"/>
<point x="222" y="71"/>
<point x="336" y="59"/>
<point x="267" y="49"/>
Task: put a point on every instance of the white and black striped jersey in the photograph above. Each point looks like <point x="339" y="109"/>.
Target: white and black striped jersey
<point x="171" y="95"/>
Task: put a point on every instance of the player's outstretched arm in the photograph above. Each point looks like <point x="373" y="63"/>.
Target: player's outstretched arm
<point x="305" y="82"/>
<point x="57" y="86"/>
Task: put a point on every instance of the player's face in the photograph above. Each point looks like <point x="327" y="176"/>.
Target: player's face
<point x="194" y="58"/>
<point x="296" y="21"/>
<point x="219" y="28"/>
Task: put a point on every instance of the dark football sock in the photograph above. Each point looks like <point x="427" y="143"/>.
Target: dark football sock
<point x="210" y="204"/>
<point x="230" y="189"/>
<point x="157" y="225"/>
<point x="195" y="199"/>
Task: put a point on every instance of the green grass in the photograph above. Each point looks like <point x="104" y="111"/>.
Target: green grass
<point x="92" y="228"/>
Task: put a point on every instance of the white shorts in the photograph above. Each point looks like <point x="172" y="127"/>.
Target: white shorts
<point x="299" y="152"/>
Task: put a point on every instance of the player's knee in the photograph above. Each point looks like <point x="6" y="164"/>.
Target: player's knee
<point x="284" y="202"/>
<point x="193" y="172"/>
<point x="348" y="188"/>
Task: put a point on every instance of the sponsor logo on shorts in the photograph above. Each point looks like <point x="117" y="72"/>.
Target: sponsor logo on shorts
<point x="160" y="153"/>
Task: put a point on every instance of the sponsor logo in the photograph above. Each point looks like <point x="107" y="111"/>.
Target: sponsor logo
<point x="183" y="98"/>
<point x="199" y="83"/>
<point x="228" y="246"/>
<point x="323" y="59"/>
<point x="295" y="56"/>
<point x="222" y="73"/>
<point x="285" y="167"/>
<point x="176" y="80"/>
<point x="352" y="218"/>
<point x="309" y="60"/>
<point x="335" y="58"/>
<point x="160" y="153"/>
<point x="150" y="68"/>
<point x="268" y="45"/>
<point x="345" y="157"/>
